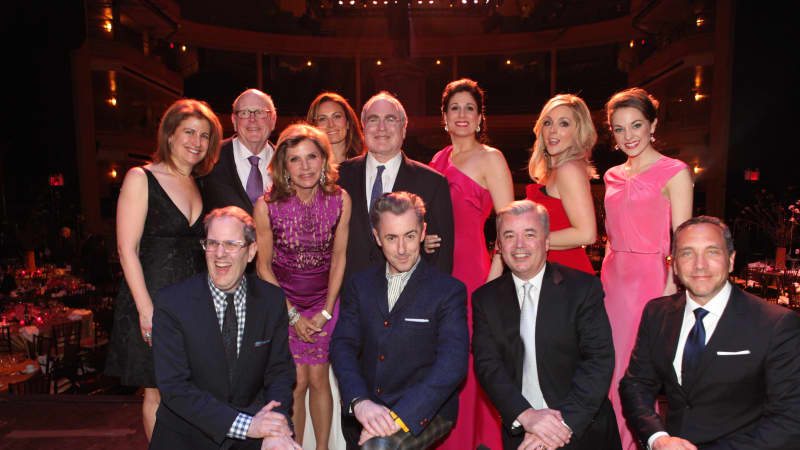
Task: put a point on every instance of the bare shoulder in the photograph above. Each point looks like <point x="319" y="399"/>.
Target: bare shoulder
<point x="492" y="158"/>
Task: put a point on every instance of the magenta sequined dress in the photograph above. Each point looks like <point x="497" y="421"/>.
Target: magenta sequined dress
<point x="302" y="248"/>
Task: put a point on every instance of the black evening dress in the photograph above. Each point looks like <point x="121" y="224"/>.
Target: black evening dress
<point x="169" y="252"/>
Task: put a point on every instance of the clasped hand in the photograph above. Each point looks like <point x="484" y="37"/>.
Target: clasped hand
<point x="546" y="427"/>
<point x="376" y="420"/>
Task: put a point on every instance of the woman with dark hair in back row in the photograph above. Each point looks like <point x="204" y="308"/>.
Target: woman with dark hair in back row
<point x="158" y="229"/>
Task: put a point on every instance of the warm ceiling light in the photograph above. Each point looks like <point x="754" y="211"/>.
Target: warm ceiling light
<point x="107" y="26"/>
<point x="438" y="62"/>
<point x="183" y="48"/>
<point x="113" y="173"/>
<point x="112" y="101"/>
<point x="378" y="62"/>
<point x="508" y="62"/>
<point x="700" y="21"/>
<point x="308" y="63"/>
<point x="698" y="96"/>
<point x="631" y="43"/>
<point x="697" y="169"/>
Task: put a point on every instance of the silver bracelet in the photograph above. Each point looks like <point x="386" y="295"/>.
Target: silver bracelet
<point x="294" y="316"/>
<point x="326" y="314"/>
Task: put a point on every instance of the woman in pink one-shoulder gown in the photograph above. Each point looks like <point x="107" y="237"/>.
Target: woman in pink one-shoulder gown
<point x="646" y="198"/>
<point x="479" y="179"/>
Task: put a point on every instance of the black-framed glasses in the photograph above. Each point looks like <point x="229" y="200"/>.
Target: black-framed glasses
<point x="211" y="245"/>
<point x="263" y="113"/>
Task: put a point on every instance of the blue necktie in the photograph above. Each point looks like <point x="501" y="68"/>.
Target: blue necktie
<point x="695" y="344"/>
<point x="377" y="187"/>
<point x="255" y="184"/>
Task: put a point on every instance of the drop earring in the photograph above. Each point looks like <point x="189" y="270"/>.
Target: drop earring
<point x="652" y="138"/>
<point x="446" y="130"/>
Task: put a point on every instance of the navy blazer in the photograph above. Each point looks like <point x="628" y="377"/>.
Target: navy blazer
<point x="745" y="393"/>
<point x="198" y="403"/>
<point x="414" y="177"/>
<point x="574" y="354"/>
<point x="411" y="359"/>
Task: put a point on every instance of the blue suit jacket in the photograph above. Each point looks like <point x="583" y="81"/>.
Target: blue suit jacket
<point x="411" y="359"/>
<point x="198" y="403"/>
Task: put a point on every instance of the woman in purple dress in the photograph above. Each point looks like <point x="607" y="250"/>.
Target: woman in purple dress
<point x="302" y="226"/>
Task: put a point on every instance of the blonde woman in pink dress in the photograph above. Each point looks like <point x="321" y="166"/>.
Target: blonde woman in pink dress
<point x="646" y="198"/>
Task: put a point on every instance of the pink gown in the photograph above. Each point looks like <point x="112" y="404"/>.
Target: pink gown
<point x="638" y="222"/>
<point x="477" y="421"/>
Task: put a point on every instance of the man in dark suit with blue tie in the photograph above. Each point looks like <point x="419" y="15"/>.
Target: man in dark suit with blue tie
<point x="728" y="362"/>
<point x="401" y="346"/>
<point x="385" y="168"/>
<point x="221" y="352"/>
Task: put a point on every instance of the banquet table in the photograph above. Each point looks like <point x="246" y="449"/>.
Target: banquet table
<point x="20" y="370"/>
<point x="42" y="324"/>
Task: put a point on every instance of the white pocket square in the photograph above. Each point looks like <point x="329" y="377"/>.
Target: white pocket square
<point x="740" y="352"/>
<point x="411" y="319"/>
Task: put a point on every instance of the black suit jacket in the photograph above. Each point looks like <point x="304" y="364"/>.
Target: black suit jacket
<point x="746" y="391"/>
<point x="574" y="354"/>
<point x="414" y="177"/>
<point x="222" y="186"/>
<point x="198" y="403"/>
<point x="412" y="358"/>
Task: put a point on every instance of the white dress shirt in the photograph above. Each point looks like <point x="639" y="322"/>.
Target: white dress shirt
<point x="387" y="178"/>
<point x="715" y="308"/>
<point x="240" y="155"/>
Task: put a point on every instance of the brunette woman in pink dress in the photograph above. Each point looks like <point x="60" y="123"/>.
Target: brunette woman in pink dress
<point x="560" y="167"/>
<point x="301" y="228"/>
<point x="479" y="179"/>
<point x="647" y="197"/>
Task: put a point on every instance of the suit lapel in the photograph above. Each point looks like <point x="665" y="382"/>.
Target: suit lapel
<point x="403" y="181"/>
<point x="673" y="320"/>
<point x="381" y="289"/>
<point x="407" y="296"/>
<point x="725" y="332"/>
<point x="233" y="174"/>
<point x="252" y="327"/>
<point x="210" y="322"/>
<point x="509" y="316"/>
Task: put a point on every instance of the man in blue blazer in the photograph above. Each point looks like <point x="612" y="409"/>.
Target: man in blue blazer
<point x="221" y="352"/>
<point x="401" y="346"/>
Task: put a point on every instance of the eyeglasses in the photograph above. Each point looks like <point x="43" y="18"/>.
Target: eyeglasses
<point x="388" y="121"/>
<point x="211" y="245"/>
<point x="257" y="113"/>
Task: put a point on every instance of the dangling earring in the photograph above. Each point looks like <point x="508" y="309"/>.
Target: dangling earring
<point x="288" y="180"/>
<point x="478" y="130"/>
<point x="322" y="179"/>
<point x="446" y="130"/>
<point x="616" y="147"/>
<point x="652" y="138"/>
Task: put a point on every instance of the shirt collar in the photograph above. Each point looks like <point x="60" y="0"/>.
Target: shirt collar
<point x="404" y="276"/>
<point x="241" y="152"/>
<point x="219" y="296"/>
<point x="391" y="165"/>
<point x="536" y="280"/>
<point x="714" y="306"/>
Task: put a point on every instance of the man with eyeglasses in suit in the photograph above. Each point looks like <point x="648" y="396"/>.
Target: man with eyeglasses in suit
<point x="240" y="176"/>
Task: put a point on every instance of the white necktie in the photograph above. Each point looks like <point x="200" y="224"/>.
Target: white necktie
<point x="527" y="324"/>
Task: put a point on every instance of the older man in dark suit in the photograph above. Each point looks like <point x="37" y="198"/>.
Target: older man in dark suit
<point x="542" y="343"/>
<point x="728" y="362"/>
<point x="221" y="352"/>
<point x="385" y="168"/>
<point x="401" y="346"/>
<point x="240" y="176"/>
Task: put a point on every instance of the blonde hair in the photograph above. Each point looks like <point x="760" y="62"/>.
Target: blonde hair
<point x="585" y="136"/>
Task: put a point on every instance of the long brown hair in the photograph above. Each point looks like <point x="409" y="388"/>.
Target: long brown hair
<point x="354" y="141"/>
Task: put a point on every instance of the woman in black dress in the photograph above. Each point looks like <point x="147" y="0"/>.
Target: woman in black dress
<point x="158" y="227"/>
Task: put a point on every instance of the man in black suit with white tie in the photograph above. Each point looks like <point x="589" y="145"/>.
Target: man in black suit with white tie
<point x="728" y="362"/>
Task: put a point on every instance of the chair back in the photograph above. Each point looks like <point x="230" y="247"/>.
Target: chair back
<point x="5" y="339"/>
<point x="37" y="384"/>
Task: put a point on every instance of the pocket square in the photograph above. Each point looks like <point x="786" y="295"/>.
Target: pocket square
<point x="740" y="352"/>
<point x="411" y="319"/>
<point x="260" y="343"/>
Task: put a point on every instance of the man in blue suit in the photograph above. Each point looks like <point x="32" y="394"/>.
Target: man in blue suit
<point x="221" y="351"/>
<point x="401" y="347"/>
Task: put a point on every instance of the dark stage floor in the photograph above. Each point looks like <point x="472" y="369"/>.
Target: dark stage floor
<point x="71" y="422"/>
